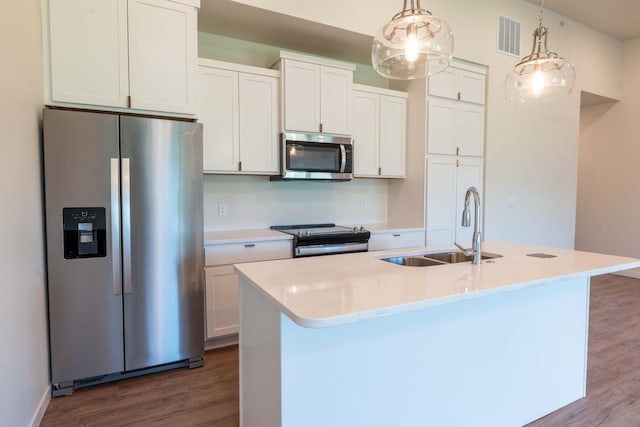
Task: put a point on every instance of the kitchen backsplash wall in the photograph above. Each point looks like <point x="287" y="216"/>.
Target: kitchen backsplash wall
<point x="234" y="202"/>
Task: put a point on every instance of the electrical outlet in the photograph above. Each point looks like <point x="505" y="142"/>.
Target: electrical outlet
<point x="223" y="209"/>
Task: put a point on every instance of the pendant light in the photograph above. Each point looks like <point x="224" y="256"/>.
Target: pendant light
<point x="413" y="45"/>
<point x="541" y="76"/>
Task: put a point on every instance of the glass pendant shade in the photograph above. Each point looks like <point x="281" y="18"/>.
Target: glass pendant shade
<point x="541" y="76"/>
<point x="413" y="45"/>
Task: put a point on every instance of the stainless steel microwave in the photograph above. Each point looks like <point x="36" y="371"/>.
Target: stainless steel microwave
<point x="315" y="156"/>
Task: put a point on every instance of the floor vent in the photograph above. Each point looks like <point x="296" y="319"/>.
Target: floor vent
<point x="508" y="36"/>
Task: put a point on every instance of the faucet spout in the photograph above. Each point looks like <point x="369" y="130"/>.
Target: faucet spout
<point x="466" y="222"/>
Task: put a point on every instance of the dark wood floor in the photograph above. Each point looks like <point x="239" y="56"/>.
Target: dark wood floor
<point x="208" y="396"/>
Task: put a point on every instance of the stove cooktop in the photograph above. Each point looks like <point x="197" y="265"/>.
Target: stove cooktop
<point x="318" y="229"/>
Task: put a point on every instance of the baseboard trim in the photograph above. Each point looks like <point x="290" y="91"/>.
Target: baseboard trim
<point x="36" y="420"/>
<point x="634" y="273"/>
<point x="224" y="341"/>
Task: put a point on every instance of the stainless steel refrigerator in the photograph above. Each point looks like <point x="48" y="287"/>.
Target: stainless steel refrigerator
<point x="123" y="199"/>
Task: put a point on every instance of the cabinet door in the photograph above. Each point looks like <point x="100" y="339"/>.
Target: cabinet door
<point x="336" y="86"/>
<point x="221" y="301"/>
<point x="444" y="84"/>
<point x="471" y="86"/>
<point x="301" y="93"/>
<point x="468" y="174"/>
<point x="393" y="136"/>
<point x="442" y="125"/>
<point x="88" y="42"/>
<point x="218" y="112"/>
<point x="441" y="200"/>
<point x="366" y="107"/>
<point x="258" y="114"/>
<point x="162" y="55"/>
<point x="470" y="130"/>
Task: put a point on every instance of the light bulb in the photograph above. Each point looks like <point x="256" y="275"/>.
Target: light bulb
<point x="412" y="51"/>
<point x="537" y="82"/>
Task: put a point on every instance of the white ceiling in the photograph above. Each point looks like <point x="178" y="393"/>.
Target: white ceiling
<point x="618" y="18"/>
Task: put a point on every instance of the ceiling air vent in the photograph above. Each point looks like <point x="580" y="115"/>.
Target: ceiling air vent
<point x="508" y="36"/>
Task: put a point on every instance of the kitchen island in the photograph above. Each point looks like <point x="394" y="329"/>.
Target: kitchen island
<point x="352" y="340"/>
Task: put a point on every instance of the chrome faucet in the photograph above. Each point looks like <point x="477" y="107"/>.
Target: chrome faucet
<point x="476" y="249"/>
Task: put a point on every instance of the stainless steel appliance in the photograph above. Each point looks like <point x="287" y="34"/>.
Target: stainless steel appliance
<point x="325" y="239"/>
<point x="315" y="156"/>
<point x="123" y="198"/>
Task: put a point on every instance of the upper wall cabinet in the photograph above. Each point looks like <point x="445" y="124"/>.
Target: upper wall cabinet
<point x="460" y="81"/>
<point x="455" y="128"/>
<point x="316" y="94"/>
<point x="121" y="54"/>
<point x="238" y="106"/>
<point x="379" y="132"/>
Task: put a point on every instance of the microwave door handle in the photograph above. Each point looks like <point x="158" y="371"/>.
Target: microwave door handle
<point x="343" y="156"/>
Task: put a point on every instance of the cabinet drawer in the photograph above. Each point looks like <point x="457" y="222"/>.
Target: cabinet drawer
<point x="396" y="240"/>
<point x="233" y="253"/>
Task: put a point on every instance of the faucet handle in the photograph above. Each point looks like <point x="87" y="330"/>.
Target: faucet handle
<point x="463" y="249"/>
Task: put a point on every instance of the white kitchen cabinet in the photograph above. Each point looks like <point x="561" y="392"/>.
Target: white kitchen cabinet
<point x="316" y="94"/>
<point x="122" y="54"/>
<point x="448" y="178"/>
<point x="460" y="81"/>
<point x="221" y="290"/>
<point x="379" y="131"/>
<point x="396" y="239"/>
<point x="455" y="128"/>
<point x="221" y="301"/>
<point x="238" y="106"/>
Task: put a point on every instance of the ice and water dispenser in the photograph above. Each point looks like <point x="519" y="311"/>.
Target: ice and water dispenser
<point x="85" y="234"/>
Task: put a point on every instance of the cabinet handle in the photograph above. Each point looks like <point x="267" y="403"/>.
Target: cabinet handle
<point x="457" y="151"/>
<point x="458" y="95"/>
<point x="250" y="245"/>
<point x="129" y="101"/>
<point x="457" y="163"/>
<point x="379" y="171"/>
<point x="320" y="127"/>
<point x="396" y="235"/>
<point x="239" y="166"/>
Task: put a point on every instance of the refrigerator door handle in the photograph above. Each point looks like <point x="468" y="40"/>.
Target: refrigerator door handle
<point x="115" y="226"/>
<point x="126" y="225"/>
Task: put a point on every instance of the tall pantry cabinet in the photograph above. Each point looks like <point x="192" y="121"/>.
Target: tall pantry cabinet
<point x="455" y="149"/>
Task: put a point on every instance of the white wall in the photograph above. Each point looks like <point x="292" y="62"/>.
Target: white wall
<point x="532" y="150"/>
<point x="256" y="202"/>
<point x="608" y="206"/>
<point x="24" y="360"/>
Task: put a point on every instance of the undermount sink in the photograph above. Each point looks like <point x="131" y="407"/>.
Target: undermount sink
<point x="440" y="258"/>
<point x="413" y="261"/>
<point x="456" y="256"/>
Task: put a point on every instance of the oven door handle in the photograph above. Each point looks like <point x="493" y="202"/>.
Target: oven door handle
<point x="310" y="250"/>
<point x="343" y="157"/>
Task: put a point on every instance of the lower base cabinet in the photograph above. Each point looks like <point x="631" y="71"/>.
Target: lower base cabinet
<point x="221" y="285"/>
<point x="396" y="239"/>
<point x="221" y="301"/>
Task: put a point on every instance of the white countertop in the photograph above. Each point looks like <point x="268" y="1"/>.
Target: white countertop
<point x="326" y="291"/>
<point x="243" y="236"/>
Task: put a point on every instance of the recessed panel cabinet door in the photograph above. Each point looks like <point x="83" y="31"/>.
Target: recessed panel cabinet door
<point x="222" y="301"/>
<point x="218" y="112"/>
<point x="441" y="200"/>
<point x="88" y="42"/>
<point x="336" y="86"/>
<point x="162" y="55"/>
<point x="301" y="94"/>
<point x="393" y="136"/>
<point x="365" y="133"/>
<point x="258" y="113"/>
<point x="471" y="130"/>
<point x="442" y="127"/>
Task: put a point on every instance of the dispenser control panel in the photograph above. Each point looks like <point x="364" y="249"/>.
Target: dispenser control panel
<point x="84" y="232"/>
